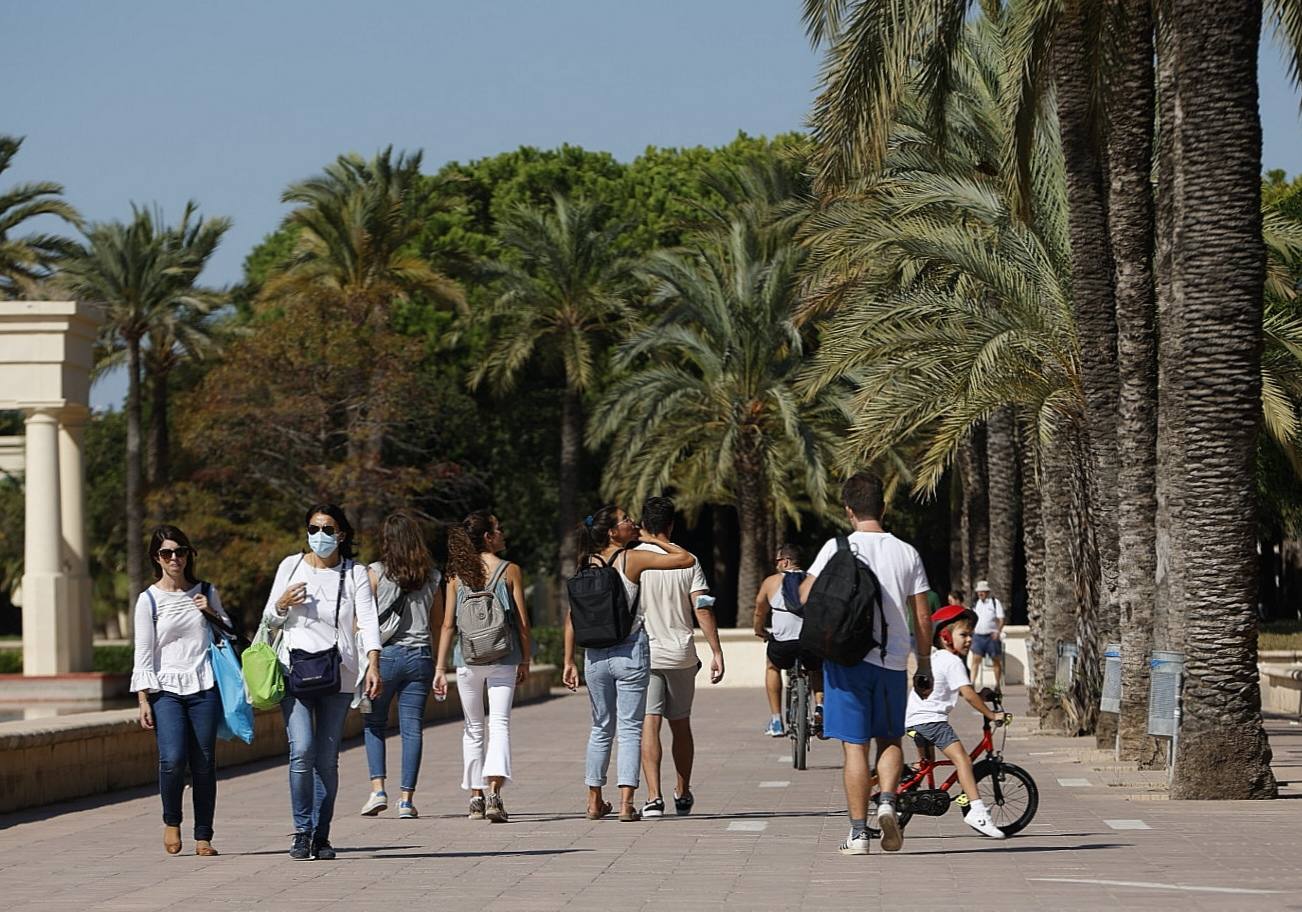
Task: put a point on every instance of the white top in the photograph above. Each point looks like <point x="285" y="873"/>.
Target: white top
<point x="172" y="655"/>
<point x="948" y="675"/>
<point x="783" y="625"/>
<point x="901" y="574"/>
<point x="669" y="616"/>
<point x="311" y="626"/>
<point x="989" y="613"/>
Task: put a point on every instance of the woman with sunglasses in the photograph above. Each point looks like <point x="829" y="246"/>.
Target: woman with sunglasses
<point x="617" y="676"/>
<point x="316" y="600"/>
<point x="173" y="679"/>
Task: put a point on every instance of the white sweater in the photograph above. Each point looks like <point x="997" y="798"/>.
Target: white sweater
<point x="313" y="626"/>
<point x="172" y="653"/>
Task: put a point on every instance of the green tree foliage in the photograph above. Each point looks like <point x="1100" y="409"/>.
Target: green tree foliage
<point x="26" y="260"/>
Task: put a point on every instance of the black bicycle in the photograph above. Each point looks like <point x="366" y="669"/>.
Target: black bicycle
<point x="800" y="719"/>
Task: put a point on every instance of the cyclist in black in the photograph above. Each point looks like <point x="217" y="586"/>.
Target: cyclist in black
<point x="779" y="617"/>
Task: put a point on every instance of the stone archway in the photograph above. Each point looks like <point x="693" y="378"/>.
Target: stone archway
<point x="46" y="356"/>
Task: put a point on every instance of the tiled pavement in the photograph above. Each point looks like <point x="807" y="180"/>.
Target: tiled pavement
<point x="763" y="837"/>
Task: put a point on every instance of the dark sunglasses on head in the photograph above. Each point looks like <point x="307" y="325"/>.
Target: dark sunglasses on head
<point x="180" y="553"/>
<point x="328" y="530"/>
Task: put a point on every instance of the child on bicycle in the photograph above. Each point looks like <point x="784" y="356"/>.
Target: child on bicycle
<point x="927" y="721"/>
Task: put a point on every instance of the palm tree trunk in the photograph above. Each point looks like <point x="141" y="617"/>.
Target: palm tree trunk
<point x="1130" y="219"/>
<point x="1056" y="622"/>
<point x="751" y="517"/>
<point x="957" y="564"/>
<point x="1001" y="472"/>
<point x="976" y="509"/>
<point x="1092" y="295"/>
<point x="567" y="500"/>
<point x="1033" y="548"/>
<point x="1223" y="750"/>
<point x="135" y="493"/>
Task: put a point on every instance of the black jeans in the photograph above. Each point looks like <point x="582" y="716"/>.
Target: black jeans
<point x="186" y="728"/>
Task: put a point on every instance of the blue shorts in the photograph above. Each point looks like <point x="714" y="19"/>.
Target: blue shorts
<point x="863" y="701"/>
<point x="987" y="644"/>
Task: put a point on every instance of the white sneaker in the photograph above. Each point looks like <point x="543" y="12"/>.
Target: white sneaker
<point x="889" y="824"/>
<point x="376" y="803"/>
<point x="855" y="844"/>
<point x="981" y="822"/>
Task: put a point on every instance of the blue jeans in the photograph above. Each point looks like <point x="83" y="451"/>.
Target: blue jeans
<point x="408" y="673"/>
<point x="186" y="729"/>
<point x="617" y="679"/>
<point x="315" y="726"/>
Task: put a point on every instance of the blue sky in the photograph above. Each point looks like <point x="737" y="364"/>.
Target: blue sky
<point x="160" y="101"/>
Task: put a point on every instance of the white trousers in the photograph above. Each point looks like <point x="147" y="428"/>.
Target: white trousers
<point x="482" y="760"/>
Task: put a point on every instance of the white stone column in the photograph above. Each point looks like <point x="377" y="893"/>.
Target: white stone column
<point x="77" y="620"/>
<point x="45" y="642"/>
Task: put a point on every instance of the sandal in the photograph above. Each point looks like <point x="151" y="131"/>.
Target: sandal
<point x="602" y="810"/>
<point x="204" y="848"/>
<point x="172" y="840"/>
<point x="629" y="814"/>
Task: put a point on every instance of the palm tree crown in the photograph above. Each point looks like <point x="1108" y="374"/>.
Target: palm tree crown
<point x="26" y="260"/>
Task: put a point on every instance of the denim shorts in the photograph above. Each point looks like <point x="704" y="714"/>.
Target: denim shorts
<point x="863" y="701"/>
<point x="987" y="644"/>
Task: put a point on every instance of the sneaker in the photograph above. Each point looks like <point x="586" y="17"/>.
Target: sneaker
<point x="654" y="808"/>
<point x="322" y="850"/>
<point x="981" y="822"/>
<point x="889" y="824"/>
<point x="495" y="812"/>
<point x="407" y="810"/>
<point x="775" y="729"/>
<point x="683" y="803"/>
<point x="855" y="844"/>
<point x="301" y="849"/>
<point x="818" y="723"/>
<point x="376" y="803"/>
<point x="477" y="808"/>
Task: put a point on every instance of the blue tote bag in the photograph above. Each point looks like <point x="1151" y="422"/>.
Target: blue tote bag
<point x="237" y="713"/>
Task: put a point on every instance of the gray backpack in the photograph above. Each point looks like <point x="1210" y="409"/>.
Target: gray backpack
<point x="483" y="622"/>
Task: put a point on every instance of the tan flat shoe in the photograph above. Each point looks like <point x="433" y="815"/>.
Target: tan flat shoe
<point x="204" y="847"/>
<point x="172" y="840"/>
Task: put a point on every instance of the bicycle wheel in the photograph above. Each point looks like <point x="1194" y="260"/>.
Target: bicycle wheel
<point x="800" y="722"/>
<point x="1009" y="793"/>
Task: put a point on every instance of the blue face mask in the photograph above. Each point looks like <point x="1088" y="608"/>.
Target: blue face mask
<point x="322" y="545"/>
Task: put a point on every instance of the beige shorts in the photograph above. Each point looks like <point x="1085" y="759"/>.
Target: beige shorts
<point x="671" y="691"/>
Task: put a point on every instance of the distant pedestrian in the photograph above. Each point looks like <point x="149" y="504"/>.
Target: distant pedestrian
<point x="488" y="591"/>
<point x="174" y="682"/>
<point x="671" y="601"/>
<point x="988" y="636"/>
<point x="409" y="603"/>
<point x="779" y="618"/>
<point x="866" y="701"/>
<point x="316" y="600"/>
<point x="616" y="676"/>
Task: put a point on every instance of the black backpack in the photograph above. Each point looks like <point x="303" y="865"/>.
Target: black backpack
<point x="599" y="608"/>
<point x="844" y="606"/>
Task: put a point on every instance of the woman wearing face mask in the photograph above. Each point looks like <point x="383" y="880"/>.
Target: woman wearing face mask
<point x="316" y="599"/>
<point x="173" y="677"/>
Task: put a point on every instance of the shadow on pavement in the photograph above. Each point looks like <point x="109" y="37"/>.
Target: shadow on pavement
<point x="1003" y="848"/>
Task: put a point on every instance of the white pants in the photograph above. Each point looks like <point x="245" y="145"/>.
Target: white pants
<point x="494" y="759"/>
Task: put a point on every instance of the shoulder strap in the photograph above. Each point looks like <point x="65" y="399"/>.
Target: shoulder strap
<point x="153" y="605"/>
<point x="498" y="572"/>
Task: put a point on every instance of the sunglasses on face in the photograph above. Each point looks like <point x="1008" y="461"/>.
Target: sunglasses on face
<point x="328" y="530"/>
<point x="179" y="553"/>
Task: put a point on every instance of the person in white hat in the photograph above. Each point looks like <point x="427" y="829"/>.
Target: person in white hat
<point x="987" y="637"/>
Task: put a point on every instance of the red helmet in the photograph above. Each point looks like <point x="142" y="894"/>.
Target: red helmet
<point x="951" y="613"/>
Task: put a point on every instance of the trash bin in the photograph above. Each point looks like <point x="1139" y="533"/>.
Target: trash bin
<point x="1066" y="673"/>
<point x="1111" y="699"/>
<point x="1165" y="672"/>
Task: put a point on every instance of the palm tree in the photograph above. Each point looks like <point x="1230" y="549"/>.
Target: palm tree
<point x="1220" y="268"/>
<point x="708" y="405"/>
<point x="560" y="301"/>
<point x="26" y="261"/>
<point x="141" y="273"/>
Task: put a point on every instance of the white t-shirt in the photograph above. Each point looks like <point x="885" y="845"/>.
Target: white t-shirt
<point x="989" y="613"/>
<point x="313" y="626"/>
<point x="668" y="613"/>
<point x="171" y="653"/>
<point x="901" y="574"/>
<point x="948" y="675"/>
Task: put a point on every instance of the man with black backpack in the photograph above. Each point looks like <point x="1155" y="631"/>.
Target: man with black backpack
<point x="779" y="616"/>
<point x="857" y="595"/>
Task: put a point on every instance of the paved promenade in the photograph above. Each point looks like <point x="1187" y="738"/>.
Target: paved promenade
<point x="763" y="837"/>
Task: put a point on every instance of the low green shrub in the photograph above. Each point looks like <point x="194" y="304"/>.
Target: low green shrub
<point x="108" y="659"/>
<point x="11" y="661"/>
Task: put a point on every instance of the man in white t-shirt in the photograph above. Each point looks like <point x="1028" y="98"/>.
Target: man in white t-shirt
<point x="988" y="636"/>
<point x="671" y="600"/>
<point x="866" y="702"/>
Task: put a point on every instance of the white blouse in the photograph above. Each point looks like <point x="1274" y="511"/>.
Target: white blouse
<point x="172" y="652"/>
<point x="313" y="626"/>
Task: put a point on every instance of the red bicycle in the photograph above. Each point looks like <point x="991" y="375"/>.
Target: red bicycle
<point x="1008" y="791"/>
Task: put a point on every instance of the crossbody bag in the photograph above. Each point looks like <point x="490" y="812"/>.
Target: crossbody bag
<point x="314" y="673"/>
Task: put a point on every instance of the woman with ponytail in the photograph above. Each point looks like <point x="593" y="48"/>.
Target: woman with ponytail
<point x="473" y="567"/>
<point x="617" y="676"/>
